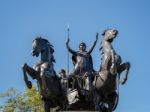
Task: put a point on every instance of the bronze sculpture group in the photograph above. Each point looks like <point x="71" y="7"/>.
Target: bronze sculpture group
<point x="85" y="88"/>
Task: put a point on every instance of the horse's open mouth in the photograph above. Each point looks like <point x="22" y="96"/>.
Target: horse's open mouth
<point x="34" y="53"/>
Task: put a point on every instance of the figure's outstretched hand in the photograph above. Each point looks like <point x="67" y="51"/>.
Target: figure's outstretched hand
<point x="97" y="36"/>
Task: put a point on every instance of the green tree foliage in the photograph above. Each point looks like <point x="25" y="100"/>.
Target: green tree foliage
<point x="29" y="101"/>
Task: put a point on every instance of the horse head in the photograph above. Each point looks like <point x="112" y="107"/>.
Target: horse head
<point x="110" y="34"/>
<point x="40" y="44"/>
<point x="36" y="46"/>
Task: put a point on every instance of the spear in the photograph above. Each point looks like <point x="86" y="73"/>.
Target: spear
<point x="68" y="53"/>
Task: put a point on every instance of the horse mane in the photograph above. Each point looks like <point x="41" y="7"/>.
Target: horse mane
<point x="51" y="49"/>
<point x="50" y="46"/>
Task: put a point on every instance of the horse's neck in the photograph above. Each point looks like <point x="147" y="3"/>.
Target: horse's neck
<point x="46" y="57"/>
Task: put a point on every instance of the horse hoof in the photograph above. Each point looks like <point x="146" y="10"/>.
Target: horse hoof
<point x="123" y="81"/>
<point x="29" y="84"/>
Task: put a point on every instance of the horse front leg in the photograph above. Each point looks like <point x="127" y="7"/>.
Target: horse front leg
<point x="26" y="69"/>
<point x="46" y="105"/>
<point x="124" y="66"/>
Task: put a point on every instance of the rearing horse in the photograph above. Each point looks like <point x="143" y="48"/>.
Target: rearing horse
<point x="110" y="70"/>
<point x="49" y="85"/>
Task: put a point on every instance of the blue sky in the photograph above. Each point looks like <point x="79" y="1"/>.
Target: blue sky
<point x="22" y="20"/>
